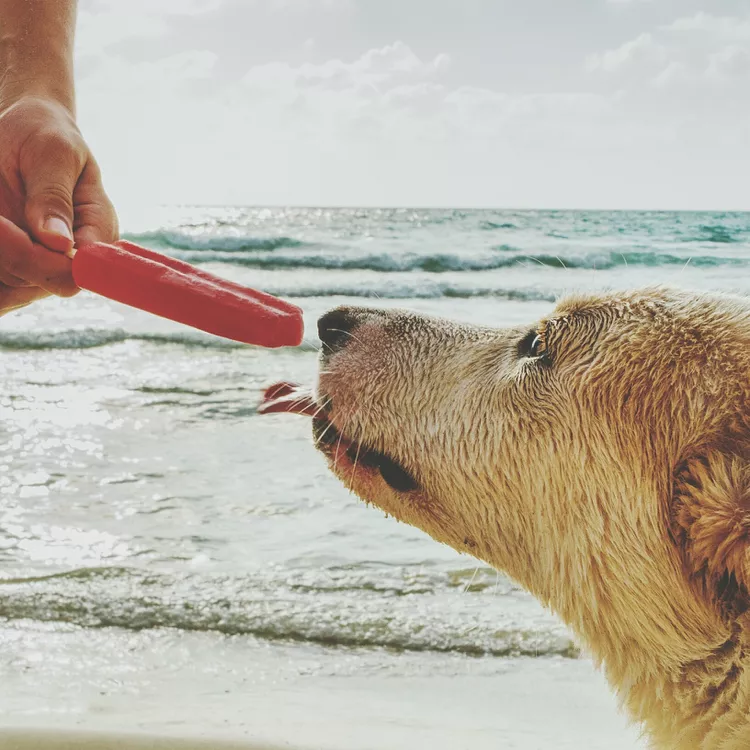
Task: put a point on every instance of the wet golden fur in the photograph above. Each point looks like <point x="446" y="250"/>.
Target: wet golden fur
<point x="609" y="476"/>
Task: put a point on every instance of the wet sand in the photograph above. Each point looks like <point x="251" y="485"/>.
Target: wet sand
<point x="170" y="692"/>
<point x="66" y="740"/>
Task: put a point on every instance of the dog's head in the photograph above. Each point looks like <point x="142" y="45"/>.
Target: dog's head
<point x="597" y="456"/>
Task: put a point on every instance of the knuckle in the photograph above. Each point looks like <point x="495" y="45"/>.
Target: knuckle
<point x="55" y="192"/>
<point x="112" y="225"/>
<point x="92" y="165"/>
<point x="97" y="222"/>
<point x="56" y="139"/>
<point x="53" y="151"/>
<point x="66" y="146"/>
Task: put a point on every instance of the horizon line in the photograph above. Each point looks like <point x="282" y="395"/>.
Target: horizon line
<point x="416" y="207"/>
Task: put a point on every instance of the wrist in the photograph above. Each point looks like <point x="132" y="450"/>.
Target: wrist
<point x="32" y="69"/>
<point x="16" y="90"/>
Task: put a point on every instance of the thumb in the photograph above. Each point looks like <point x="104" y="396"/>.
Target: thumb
<point x="50" y="183"/>
<point x="95" y="217"/>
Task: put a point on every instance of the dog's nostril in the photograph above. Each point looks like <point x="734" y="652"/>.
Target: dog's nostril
<point x="335" y="328"/>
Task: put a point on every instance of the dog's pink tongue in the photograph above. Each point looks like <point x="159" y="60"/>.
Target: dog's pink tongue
<point x="288" y="398"/>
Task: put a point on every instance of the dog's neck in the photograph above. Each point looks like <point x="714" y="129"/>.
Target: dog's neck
<point x="703" y="704"/>
<point x="700" y="678"/>
<point x="670" y="649"/>
<point x="686" y="659"/>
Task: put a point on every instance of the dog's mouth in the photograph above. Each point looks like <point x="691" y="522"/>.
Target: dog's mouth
<point x="342" y="451"/>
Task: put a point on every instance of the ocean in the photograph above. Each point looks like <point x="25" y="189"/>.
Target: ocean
<point x="157" y="535"/>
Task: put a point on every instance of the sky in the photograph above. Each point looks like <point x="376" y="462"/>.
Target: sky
<point x="466" y="103"/>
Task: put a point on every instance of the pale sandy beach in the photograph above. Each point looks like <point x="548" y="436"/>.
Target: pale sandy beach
<point x="66" y="740"/>
<point x="169" y="691"/>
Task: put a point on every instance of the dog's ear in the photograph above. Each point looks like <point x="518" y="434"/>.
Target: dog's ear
<point x="710" y="522"/>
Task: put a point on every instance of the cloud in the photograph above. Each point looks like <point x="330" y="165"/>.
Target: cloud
<point x="400" y="124"/>
<point x="641" y="51"/>
<point x="312" y="5"/>
<point x="384" y="127"/>
<point x="699" y="50"/>
<point x="732" y="62"/>
<point x="721" y="27"/>
<point x="104" y="23"/>
<point x="378" y="69"/>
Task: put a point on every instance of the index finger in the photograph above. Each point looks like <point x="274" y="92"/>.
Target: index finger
<point x="27" y="260"/>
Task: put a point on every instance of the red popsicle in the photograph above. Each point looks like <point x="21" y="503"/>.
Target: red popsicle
<point x="173" y="289"/>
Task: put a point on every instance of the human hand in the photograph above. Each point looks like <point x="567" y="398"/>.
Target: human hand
<point x="51" y="196"/>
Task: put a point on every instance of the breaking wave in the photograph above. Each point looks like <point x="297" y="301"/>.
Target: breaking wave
<point x="228" y="243"/>
<point x="336" y="613"/>
<point x="502" y="257"/>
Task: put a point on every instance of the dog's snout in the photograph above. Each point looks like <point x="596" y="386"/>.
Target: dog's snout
<point x="335" y="328"/>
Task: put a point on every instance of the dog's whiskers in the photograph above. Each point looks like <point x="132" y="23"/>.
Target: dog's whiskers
<point x="359" y="442"/>
<point x="471" y="582"/>
<point x="346" y="333"/>
<point x="321" y="408"/>
<point x="356" y="458"/>
<point x="322" y="436"/>
<point x="341" y="437"/>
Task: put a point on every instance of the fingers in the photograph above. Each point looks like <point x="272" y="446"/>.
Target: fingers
<point x="50" y="168"/>
<point x="8" y="279"/>
<point x="20" y="258"/>
<point x="25" y="263"/>
<point x="12" y="298"/>
<point x="51" y="187"/>
<point x="95" y="217"/>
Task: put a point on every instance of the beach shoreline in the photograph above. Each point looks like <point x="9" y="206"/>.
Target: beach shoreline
<point x="30" y="739"/>
<point x="165" y="690"/>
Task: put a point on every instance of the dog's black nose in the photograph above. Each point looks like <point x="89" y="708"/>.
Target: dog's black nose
<point x="335" y="328"/>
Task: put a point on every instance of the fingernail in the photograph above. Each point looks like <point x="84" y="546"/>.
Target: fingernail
<point x="55" y="225"/>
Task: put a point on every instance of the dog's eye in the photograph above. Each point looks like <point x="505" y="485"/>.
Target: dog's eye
<point x="531" y="345"/>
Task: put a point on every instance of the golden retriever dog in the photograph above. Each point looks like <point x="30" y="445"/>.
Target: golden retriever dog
<point x="599" y="458"/>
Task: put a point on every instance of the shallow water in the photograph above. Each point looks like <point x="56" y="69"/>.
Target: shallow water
<point x="139" y="490"/>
